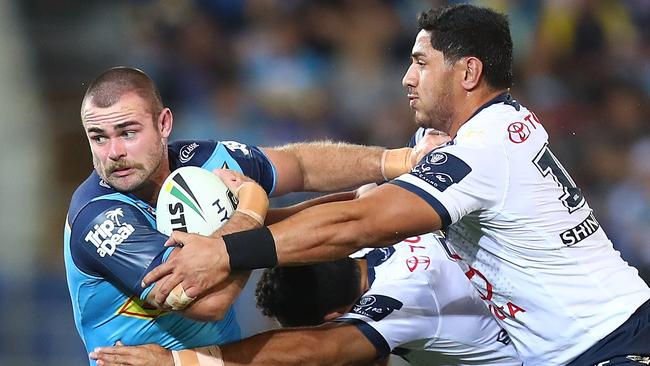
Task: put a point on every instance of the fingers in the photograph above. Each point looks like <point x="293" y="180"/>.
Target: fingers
<point x="178" y="238"/>
<point x="114" y="356"/>
<point x="232" y="179"/>
<point x="158" y="273"/>
<point x="165" y="288"/>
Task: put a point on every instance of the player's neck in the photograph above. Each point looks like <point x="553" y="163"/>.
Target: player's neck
<point x="469" y="103"/>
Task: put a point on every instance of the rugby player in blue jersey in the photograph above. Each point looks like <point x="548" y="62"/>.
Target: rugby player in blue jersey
<point x="110" y="237"/>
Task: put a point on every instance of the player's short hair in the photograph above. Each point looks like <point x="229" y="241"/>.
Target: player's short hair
<point x="302" y="296"/>
<point x="113" y="83"/>
<point x="466" y="30"/>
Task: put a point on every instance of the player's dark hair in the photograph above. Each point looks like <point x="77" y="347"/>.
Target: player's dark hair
<point x="466" y="30"/>
<point x="113" y="83"/>
<point x="302" y="296"/>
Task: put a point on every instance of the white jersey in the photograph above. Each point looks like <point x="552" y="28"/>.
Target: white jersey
<point x="525" y="236"/>
<point x="419" y="299"/>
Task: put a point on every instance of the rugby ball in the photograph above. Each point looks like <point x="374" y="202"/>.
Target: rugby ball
<point x="193" y="200"/>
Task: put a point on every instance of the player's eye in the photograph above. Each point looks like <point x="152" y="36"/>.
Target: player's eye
<point x="129" y="134"/>
<point x="98" y="139"/>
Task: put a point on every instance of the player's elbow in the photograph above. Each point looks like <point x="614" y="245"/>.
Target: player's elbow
<point x="208" y="311"/>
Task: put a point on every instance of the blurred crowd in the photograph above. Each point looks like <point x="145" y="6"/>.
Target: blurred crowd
<point x="273" y="71"/>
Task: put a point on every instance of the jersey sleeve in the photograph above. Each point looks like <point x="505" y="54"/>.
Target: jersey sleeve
<point x="456" y="180"/>
<point x="114" y="240"/>
<point x="210" y="155"/>
<point x="396" y="313"/>
<point x="253" y="163"/>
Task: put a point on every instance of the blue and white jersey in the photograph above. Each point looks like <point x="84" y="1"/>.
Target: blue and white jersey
<point x="419" y="300"/>
<point x="111" y="243"/>
<point x="525" y="236"/>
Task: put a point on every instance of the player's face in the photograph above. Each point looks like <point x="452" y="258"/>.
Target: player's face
<point x="428" y="82"/>
<point x="127" y="142"/>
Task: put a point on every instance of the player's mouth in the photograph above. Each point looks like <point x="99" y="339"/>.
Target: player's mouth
<point x="122" y="172"/>
<point x="412" y="99"/>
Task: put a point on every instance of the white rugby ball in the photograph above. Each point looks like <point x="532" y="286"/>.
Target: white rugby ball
<point x="193" y="200"/>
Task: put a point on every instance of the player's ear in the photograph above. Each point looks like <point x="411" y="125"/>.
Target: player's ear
<point x="333" y="315"/>
<point x="165" y="122"/>
<point x="472" y="69"/>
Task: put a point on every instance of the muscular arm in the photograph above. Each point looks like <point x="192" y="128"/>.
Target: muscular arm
<point x="277" y="214"/>
<point x="329" y="344"/>
<point x="331" y="231"/>
<point x="324" y="166"/>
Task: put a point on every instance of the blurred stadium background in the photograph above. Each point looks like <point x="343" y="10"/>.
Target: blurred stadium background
<point x="272" y="71"/>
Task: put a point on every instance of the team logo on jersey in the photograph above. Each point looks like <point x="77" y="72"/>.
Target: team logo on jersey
<point x="187" y="152"/>
<point x="518" y="132"/>
<point x="441" y="170"/>
<point x="236" y="146"/>
<point x="438" y="158"/>
<point x="376" y="307"/>
<point x="110" y="233"/>
<point x="134" y="307"/>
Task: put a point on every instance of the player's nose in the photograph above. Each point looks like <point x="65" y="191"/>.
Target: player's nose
<point x="117" y="149"/>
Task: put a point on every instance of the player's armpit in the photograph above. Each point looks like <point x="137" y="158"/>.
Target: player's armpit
<point x="329" y="344"/>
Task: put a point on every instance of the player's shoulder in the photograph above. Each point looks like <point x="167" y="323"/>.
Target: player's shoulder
<point x="92" y="188"/>
<point x="95" y="198"/>
<point x="191" y="152"/>
<point x="501" y="122"/>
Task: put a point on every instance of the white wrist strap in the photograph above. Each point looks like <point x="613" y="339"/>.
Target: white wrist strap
<point x="204" y="356"/>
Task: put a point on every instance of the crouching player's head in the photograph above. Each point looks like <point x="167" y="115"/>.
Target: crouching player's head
<point x="312" y="294"/>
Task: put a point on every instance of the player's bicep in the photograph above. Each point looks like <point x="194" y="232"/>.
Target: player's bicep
<point x="114" y="240"/>
<point x="289" y="174"/>
<point x="393" y="213"/>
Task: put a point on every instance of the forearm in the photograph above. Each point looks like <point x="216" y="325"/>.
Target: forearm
<point x="328" y="345"/>
<point x="277" y="214"/>
<point x="331" y="231"/>
<point x="327" y="232"/>
<point x="329" y="166"/>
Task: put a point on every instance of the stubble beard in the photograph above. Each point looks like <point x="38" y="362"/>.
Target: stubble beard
<point x="439" y="116"/>
<point x="140" y="179"/>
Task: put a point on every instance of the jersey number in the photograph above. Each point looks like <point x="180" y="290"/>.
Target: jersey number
<point x="547" y="164"/>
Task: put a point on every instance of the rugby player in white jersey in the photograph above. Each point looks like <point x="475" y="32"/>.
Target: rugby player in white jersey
<point x="409" y="296"/>
<point x="516" y="222"/>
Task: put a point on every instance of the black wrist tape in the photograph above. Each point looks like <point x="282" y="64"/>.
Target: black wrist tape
<point x="251" y="249"/>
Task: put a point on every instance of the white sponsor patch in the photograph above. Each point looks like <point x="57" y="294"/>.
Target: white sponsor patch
<point x="110" y="233"/>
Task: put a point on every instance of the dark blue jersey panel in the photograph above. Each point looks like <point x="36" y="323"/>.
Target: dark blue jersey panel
<point x="115" y="240"/>
<point x="251" y="159"/>
<point x="255" y="165"/>
<point x="190" y="152"/>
